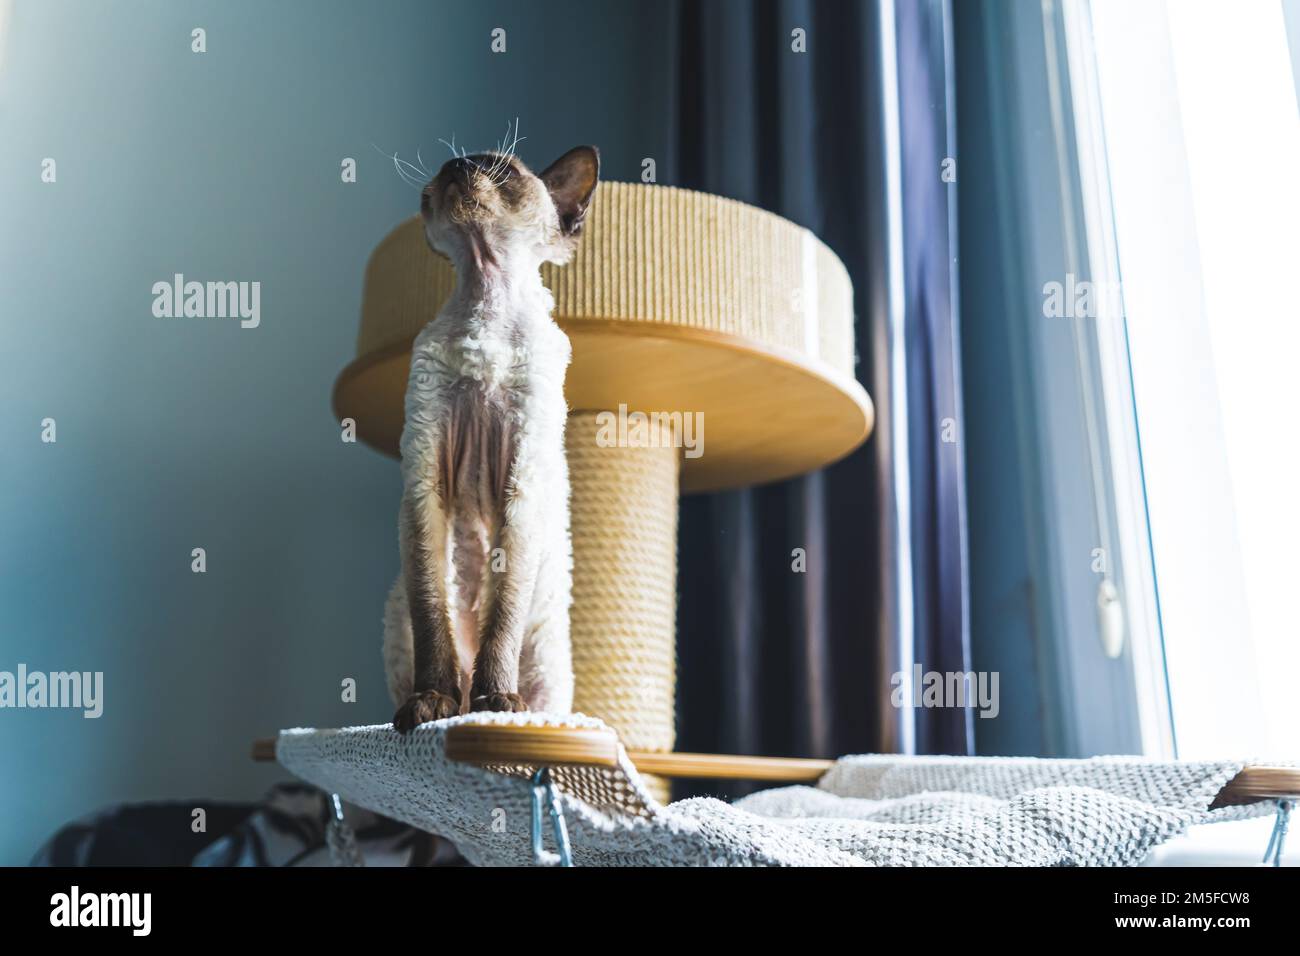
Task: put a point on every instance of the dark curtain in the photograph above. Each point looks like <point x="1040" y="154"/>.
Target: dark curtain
<point x="772" y="661"/>
<point x="937" y="479"/>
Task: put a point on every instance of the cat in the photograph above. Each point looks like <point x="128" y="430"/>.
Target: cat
<point x="479" y="616"/>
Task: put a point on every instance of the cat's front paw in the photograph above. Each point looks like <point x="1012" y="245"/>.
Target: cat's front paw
<point x="503" y="703"/>
<point x="423" y="707"/>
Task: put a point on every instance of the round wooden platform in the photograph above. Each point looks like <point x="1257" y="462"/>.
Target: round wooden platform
<point x="767" y="413"/>
<point x="676" y="302"/>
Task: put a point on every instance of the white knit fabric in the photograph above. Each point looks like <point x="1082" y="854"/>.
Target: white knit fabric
<point x="867" y="810"/>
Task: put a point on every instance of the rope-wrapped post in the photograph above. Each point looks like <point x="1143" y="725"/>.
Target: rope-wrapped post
<point x="623" y="515"/>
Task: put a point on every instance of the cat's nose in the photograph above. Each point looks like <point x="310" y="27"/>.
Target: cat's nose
<point x="460" y="168"/>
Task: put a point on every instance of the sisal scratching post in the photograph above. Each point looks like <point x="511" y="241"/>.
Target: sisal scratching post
<point x="623" y="514"/>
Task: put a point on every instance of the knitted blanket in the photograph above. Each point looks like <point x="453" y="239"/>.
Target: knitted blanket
<point x="867" y="810"/>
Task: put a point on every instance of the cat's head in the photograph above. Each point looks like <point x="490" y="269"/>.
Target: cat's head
<point x="489" y="208"/>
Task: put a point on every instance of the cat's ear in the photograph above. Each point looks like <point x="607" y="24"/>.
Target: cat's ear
<point x="571" y="180"/>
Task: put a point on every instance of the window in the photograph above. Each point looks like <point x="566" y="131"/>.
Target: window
<point x="1198" y="116"/>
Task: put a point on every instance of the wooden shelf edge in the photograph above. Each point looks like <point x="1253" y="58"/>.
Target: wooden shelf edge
<point x="510" y="745"/>
<point x="728" y="767"/>
<point x="501" y="745"/>
<point x="1260" y="782"/>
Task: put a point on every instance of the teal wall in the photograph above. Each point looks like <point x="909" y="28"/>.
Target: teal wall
<point x="177" y="434"/>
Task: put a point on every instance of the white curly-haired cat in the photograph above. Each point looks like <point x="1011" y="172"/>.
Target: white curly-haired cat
<point x="479" y="617"/>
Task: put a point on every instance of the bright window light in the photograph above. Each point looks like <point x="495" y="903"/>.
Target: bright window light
<point x="1203" y="144"/>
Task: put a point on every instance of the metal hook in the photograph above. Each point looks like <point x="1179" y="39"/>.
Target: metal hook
<point x="1278" y="837"/>
<point x="340" y="839"/>
<point x="544" y="791"/>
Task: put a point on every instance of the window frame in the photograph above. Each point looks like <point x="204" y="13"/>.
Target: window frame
<point x="1074" y="424"/>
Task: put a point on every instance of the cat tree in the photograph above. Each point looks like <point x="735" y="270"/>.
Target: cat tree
<point x="677" y="304"/>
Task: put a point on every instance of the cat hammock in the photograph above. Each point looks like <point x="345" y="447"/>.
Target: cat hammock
<point x="487" y="782"/>
<point x="687" y="309"/>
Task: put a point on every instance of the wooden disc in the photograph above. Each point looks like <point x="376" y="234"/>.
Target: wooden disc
<point x="677" y="303"/>
<point x="766" y="414"/>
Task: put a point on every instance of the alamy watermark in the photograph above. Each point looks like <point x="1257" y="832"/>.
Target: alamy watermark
<point x="75" y="908"/>
<point x="1077" y="298"/>
<point x="651" y="430"/>
<point x="947" y="689"/>
<point x="61" y="689"/>
<point x="208" y="300"/>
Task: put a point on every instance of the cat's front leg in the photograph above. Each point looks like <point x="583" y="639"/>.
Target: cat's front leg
<point x="436" y="690"/>
<point x="496" y="670"/>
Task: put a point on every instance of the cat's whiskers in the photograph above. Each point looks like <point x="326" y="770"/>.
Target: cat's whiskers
<point x="505" y="149"/>
<point x="402" y="167"/>
<point x="513" y="145"/>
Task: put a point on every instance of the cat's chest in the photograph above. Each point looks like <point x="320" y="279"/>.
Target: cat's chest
<point x="480" y="362"/>
<point x="507" y="366"/>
